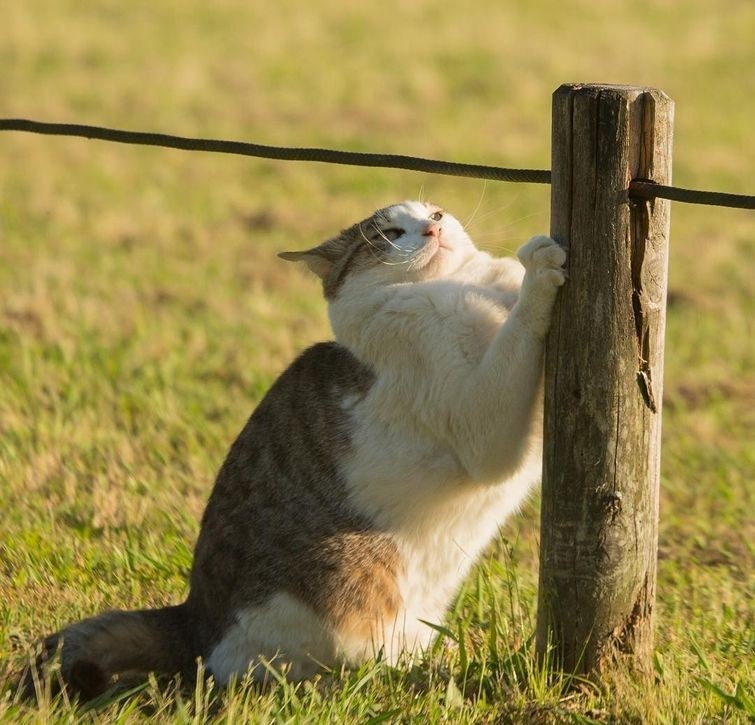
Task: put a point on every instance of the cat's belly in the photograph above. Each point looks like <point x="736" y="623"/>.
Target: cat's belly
<point x="439" y="552"/>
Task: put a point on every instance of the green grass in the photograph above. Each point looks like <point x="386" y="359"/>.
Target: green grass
<point x="143" y="314"/>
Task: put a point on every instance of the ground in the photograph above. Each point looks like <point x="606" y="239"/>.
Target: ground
<point x="143" y="313"/>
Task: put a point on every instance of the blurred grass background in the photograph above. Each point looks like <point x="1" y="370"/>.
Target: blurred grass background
<point x="143" y="312"/>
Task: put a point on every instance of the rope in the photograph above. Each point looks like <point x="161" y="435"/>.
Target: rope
<point x="638" y="189"/>
<point x="350" y="158"/>
<point x="650" y="190"/>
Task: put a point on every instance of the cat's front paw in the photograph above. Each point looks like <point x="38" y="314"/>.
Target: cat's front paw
<point x="543" y="258"/>
<point x="543" y="262"/>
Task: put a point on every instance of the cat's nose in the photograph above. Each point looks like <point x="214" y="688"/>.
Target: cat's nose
<point x="432" y="230"/>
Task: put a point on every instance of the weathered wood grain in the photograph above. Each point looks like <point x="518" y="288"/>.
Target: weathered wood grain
<point x="604" y="377"/>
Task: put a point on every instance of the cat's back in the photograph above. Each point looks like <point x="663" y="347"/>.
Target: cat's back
<point x="298" y="430"/>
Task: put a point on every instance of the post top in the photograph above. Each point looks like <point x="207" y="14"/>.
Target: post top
<point x="613" y="88"/>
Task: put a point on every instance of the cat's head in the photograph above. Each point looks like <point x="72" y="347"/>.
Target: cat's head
<point x="407" y="242"/>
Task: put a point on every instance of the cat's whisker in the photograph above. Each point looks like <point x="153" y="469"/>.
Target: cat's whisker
<point x="382" y="234"/>
<point x="376" y="251"/>
<point x="506" y="251"/>
<point x="500" y="238"/>
<point x="499" y="241"/>
<point x="492" y="212"/>
<point x="507" y="227"/>
<point x="383" y="261"/>
<point x="479" y="204"/>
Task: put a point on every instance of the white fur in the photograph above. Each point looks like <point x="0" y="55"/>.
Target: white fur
<point x="288" y="635"/>
<point x="282" y="624"/>
<point x="445" y="444"/>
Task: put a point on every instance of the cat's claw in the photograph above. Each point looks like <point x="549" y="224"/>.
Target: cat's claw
<point x="545" y="258"/>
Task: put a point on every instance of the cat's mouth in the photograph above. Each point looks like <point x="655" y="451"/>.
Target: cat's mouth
<point x="434" y="257"/>
<point x="433" y="253"/>
<point x="440" y="245"/>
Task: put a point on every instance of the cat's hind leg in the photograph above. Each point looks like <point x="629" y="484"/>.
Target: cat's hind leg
<point x="283" y="633"/>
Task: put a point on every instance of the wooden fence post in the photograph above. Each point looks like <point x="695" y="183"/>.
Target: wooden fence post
<point x="604" y="378"/>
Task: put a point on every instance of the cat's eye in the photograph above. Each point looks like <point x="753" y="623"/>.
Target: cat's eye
<point x="437" y="216"/>
<point x="391" y="234"/>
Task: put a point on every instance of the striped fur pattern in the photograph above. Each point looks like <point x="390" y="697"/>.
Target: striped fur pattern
<point x="374" y="471"/>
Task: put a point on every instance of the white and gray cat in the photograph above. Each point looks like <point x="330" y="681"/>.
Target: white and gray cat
<point x="371" y="475"/>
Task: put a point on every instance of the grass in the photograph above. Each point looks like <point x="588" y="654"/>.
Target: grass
<point x="143" y="314"/>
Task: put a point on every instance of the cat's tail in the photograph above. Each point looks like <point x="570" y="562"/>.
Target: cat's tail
<point x="97" y="651"/>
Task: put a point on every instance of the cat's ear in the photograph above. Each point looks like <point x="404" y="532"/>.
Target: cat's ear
<point x="315" y="259"/>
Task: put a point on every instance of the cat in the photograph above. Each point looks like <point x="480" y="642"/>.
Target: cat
<point x="369" y="478"/>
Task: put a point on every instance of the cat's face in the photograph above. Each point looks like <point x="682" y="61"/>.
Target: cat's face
<point x="407" y="242"/>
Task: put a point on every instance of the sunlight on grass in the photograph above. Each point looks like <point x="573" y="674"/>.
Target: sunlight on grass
<point x="143" y="314"/>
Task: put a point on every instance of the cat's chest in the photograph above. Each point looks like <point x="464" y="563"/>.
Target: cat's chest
<point x="470" y="320"/>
